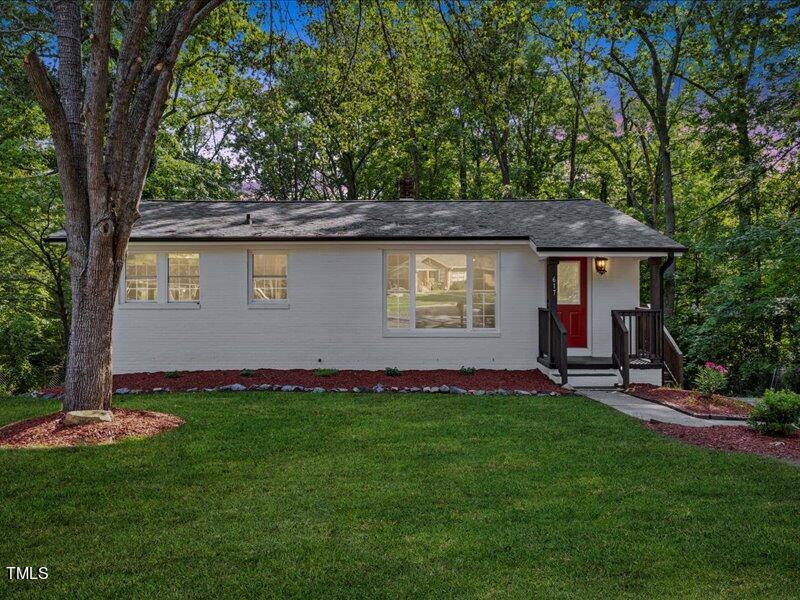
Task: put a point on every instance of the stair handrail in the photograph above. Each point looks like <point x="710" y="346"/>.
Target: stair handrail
<point x="553" y="341"/>
<point x="620" y="346"/>
<point x="672" y="357"/>
<point x="559" y="349"/>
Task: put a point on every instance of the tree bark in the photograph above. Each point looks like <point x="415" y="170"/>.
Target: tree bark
<point x="463" y="184"/>
<point x="499" y="145"/>
<point x="102" y="163"/>
<point x="349" y="173"/>
<point x="669" y="221"/>
<point x="573" y="152"/>
<point x="89" y="377"/>
<point x="747" y="197"/>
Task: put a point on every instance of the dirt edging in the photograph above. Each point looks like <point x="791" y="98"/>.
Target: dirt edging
<point x="699" y="415"/>
<point x="690" y="413"/>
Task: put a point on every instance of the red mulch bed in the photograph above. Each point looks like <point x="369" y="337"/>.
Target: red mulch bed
<point x="483" y="379"/>
<point x="692" y="402"/>
<point x="735" y="438"/>
<point x="51" y="432"/>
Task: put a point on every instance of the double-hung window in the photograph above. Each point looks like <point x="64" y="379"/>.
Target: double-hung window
<point x="159" y="278"/>
<point x="183" y="275"/>
<point x="268" y="278"/>
<point x="440" y="291"/>
<point x="141" y="277"/>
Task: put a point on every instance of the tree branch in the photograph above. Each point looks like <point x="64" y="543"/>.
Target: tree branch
<point x="129" y="65"/>
<point x="70" y="69"/>
<point x="68" y="171"/>
<point x="629" y="78"/>
<point x="95" y="110"/>
<point x="151" y="98"/>
<point x="699" y="86"/>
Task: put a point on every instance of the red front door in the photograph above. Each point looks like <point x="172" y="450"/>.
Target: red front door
<point x="571" y="300"/>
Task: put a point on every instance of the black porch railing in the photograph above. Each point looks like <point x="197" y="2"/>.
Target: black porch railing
<point x="639" y="338"/>
<point x="673" y="359"/>
<point x="553" y="342"/>
<point x="645" y="328"/>
<point x="620" y="347"/>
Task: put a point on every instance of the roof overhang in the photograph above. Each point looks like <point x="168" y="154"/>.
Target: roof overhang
<point x="542" y="252"/>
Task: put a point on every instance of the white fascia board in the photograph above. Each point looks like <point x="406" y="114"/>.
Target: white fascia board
<point x="632" y="254"/>
<point x="294" y="244"/>
<point x="599" y="252"/>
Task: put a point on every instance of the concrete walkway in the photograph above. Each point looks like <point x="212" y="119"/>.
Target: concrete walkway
<point x="646" y="411"/>
<point x="752" y="401"/>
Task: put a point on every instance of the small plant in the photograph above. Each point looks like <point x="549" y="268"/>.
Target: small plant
<point x="172" y="374"/>
<point x="326" y="372"/>
<point x="777" y="413"/>
<point x="711" y="379"/>
<point x="467" y="370"/>
<point x="246" y="373"/>
<point x="393" y="371"/>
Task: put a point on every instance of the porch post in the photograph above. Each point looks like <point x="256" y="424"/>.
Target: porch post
<point x="552" y="282"/>
<point x="656" y="282"/>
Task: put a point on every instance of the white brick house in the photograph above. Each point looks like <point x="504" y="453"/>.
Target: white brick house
<point x="408" y="284"/>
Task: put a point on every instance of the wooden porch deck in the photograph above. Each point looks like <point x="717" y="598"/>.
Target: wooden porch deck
<point x="600" y="362"/>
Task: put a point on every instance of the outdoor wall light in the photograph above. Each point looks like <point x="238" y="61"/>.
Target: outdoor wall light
<point x="601" y="265"/>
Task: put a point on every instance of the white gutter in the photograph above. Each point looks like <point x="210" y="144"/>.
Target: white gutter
<point x="599" y="252"/>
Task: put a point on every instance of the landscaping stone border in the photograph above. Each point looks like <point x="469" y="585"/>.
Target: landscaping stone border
<point x="378" y="389"/>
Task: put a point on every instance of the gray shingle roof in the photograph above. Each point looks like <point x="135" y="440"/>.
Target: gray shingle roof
<point x="550" y="225"/>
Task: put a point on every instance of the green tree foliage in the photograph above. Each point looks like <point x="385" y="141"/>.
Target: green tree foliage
<point x="329" y="101"/>
<point x="34" y="281"/>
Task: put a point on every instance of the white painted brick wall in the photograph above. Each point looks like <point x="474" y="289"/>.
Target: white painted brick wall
<point x="618" y="289"/>
<point x="335" y="316"/>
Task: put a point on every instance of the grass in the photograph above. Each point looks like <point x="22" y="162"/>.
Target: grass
<point x="326" y="372"/>
<point x="323" y="495"/>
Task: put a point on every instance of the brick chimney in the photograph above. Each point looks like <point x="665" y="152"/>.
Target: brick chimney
<point x="406" y="188"/>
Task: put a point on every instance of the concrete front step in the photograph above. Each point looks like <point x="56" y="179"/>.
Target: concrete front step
<point x="593" y="380"/>
<point x="587" y="378"/>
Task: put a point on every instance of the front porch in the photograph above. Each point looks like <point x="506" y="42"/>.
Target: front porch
<point x="641" y="349"/>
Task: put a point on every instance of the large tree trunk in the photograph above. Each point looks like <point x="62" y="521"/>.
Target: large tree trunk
<point x="103" y="158"/>
<point x="349" y="172"/>
<point x="499" y="142"/>
<point x="573" y="153"/>
<point x="669" y="220"/>
<point x="89" y="382"/>
<point x="463" y="184"/>
<point x="747" y="196"/>
<point x="478" y="174"/>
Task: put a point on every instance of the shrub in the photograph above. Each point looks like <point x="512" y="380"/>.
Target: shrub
<point x="467" y="370"/>
<point x="777" y="413"/>
<point x="246" y="373"/>
<point x="711" y="378"/>
<point x="172" y="374"/>
<point x="393" y="371"/>
<point x="325" y="372"/>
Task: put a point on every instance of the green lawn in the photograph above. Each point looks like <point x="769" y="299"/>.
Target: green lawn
<point x="323" y="495"/>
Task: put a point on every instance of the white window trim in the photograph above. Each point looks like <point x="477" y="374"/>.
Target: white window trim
<point x="162" y="285"/>
<point x="166" y="281"/>
<point x="268" y="304"/>
<point x="123" y="283"/>
<point x="411" y="330"/>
